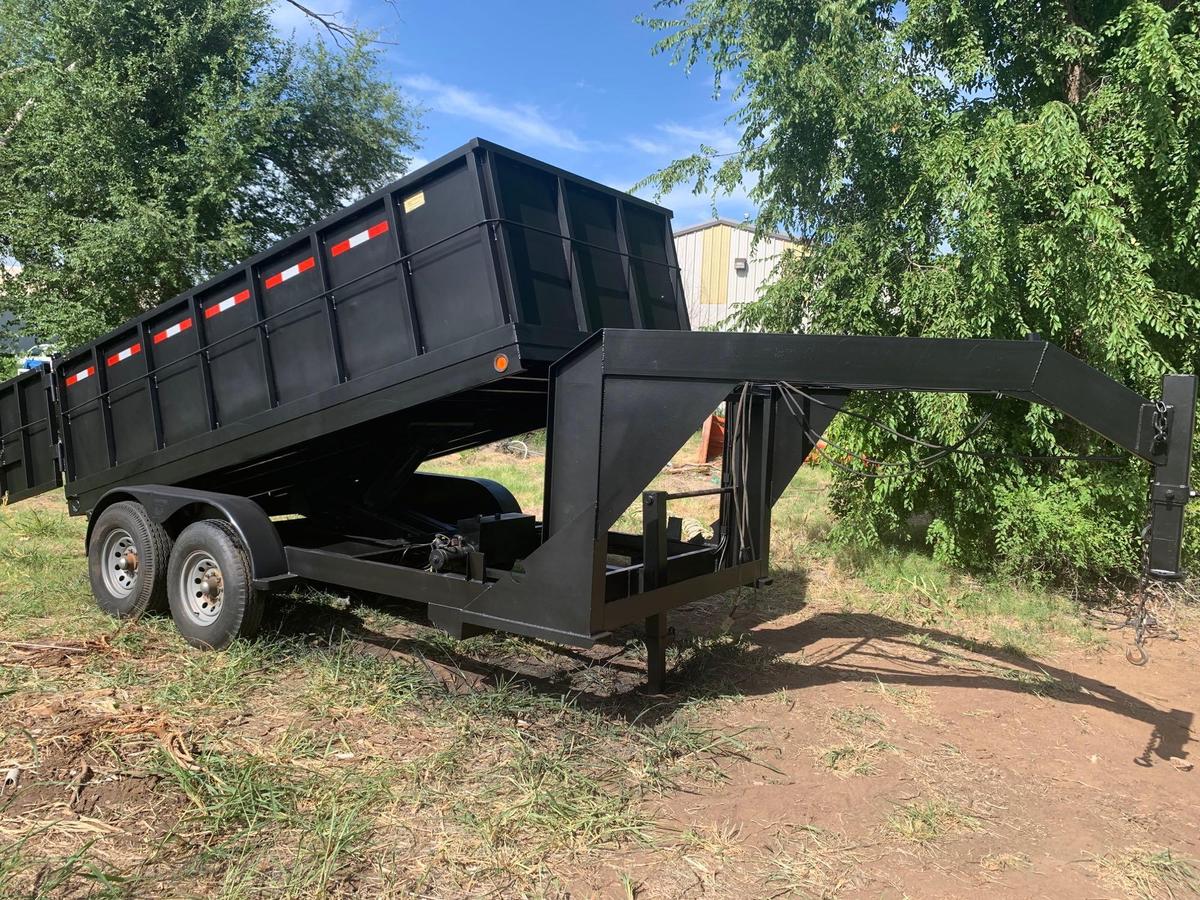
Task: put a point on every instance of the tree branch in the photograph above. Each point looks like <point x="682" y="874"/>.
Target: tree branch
<point x="342" y="34"/>
<point x="25" y="107"/>
<point x="339" y="31"/>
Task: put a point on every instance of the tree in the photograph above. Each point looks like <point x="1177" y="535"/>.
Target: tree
<point x="973" y="168"/>
<point x="147" y="144"/>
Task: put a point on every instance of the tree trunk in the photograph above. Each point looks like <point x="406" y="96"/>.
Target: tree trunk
<point x="1076" y="82"/>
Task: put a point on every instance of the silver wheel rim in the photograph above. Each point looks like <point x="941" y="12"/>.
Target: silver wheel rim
<point x="201" y="588"/>
<point x="119" y="563"/>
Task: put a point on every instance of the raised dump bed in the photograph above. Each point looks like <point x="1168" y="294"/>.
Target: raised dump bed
<point x="268" y="425"/>
<point x="408" y="296"/>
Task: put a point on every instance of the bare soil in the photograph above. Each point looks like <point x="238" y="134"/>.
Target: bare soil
<point x="875" y="757"/>
<point x="1040" y="778"/>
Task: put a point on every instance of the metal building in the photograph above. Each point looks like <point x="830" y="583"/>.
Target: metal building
<point x="722" y="267"/>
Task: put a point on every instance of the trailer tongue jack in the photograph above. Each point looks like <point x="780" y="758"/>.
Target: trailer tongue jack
<point x="268" y="426"/>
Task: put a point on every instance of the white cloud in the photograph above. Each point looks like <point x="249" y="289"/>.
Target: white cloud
<point x="718" y="138"/>
<point x="649" y="147"/>
<point x="691" y="208"/>
<point x="671" y="140"/>
<point x="522" y="121"/>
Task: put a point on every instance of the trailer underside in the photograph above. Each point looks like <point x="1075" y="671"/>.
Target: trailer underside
<point x="269" y="425"/>
<point x="352" y="510"/>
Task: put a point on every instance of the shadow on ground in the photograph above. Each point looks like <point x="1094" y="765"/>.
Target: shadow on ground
<point x="823" y="649"/>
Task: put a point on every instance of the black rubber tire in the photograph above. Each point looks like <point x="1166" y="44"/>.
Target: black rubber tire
<point x="241" y="605"/>
<point x="153" y="546"/>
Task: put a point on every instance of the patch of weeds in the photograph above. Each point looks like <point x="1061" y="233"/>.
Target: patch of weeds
<point x="914" y="701"/>
<point x="1006" y="862"/>
<point x="343" y="677"/>
<point x="1148" y="874"/>
<point x="301" y="832"/>
<point x="37" y="523"/>
<point x="859" y="755"/>
<point x="27" y="871"/>
<point x="855" y="759"/>
<point x="715" y="840"/>
<point x="925" y="821"/>
<point x="856" y="719"/>
<point x="809" y="861"/>
<point x="553" y="794"/>
<point x="196" y="682"/>
<point x="1038" y="682"/>
<point x="674" y="749"/>
<point x="712" y="665"/>
<point x="801" y="520"/>
<point x="496" y="647"/>
<point x="911" y="586"/>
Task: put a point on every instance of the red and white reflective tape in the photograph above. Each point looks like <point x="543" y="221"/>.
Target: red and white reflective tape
<point x="290" y="272"/>
<point x="177" y="328"/>
<point x="81" y="375"/>
<point x="123" y="355"/>
<point x="361" y="238"/>
<point x="227" y="303"/>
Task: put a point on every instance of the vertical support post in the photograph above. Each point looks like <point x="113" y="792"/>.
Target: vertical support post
<point x="654" y="540"/>
<point x="264" y="335"/>
<point x="564" y="227"/>
<point x="151" y="377"/>
<point x="103" y="399"/>
<point x="62" y="404"/>
<point x="725" y="527"/>
<point x="210" y="397"/>
<point x="317" y="248"/>
<point x="403" y="275"/>
<point x="1171" y="490"/>
<point x="758" y="472"/>
<point x="23" y="430"/>
<point x="491" y="208"/>
<point x="627" y="264"/>
<point x="654" y="575"/>
<point x="656" y="653"/>
<point x="685" y="321"/>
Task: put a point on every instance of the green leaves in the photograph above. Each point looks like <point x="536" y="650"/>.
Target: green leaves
<point x="146" y="145"/>
<point x="976" y="169"/>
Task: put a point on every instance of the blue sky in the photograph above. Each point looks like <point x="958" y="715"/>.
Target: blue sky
<point x="572" y="83"/>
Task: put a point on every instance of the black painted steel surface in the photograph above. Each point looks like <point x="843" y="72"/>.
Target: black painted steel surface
<point x="399" y="301"/>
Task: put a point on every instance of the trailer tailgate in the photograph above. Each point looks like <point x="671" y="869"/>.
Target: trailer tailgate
<point x="28" y="437"/>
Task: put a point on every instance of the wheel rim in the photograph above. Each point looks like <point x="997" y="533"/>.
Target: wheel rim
<point x="119" y="563"/>
<point x="201" y="588"/>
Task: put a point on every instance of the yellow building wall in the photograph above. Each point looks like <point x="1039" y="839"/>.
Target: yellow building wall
<point x="714" y="275"/>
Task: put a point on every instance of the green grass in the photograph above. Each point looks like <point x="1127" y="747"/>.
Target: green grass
<point x="1148" y="874"/>
<point x="912" y="587"/>
<point x="308" y="764"/>
<point x="925" y="821"/>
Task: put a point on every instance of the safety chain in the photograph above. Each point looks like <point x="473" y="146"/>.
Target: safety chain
<point x="1143" y="622"/>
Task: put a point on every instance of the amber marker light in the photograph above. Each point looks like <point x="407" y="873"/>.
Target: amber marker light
<point x="500" y="363"/>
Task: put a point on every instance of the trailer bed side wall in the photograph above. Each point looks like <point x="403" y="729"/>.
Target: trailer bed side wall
<point x="480" y="239"/>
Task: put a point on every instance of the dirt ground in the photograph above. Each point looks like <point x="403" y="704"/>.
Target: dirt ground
<point x="966" y="772"/>
<point x="811" y="744"/>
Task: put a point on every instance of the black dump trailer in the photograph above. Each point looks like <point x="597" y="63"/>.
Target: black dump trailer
<point x="267" y="426"/>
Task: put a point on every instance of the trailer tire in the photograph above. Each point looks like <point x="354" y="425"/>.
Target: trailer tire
<point x="124" y="533"/>
<point x="210" y="586"/>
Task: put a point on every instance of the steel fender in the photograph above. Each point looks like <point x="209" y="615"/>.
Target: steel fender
<point x="249" y="520"/>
